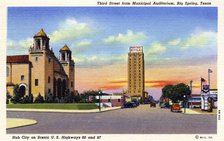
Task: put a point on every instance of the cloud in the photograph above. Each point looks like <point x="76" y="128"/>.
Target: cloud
<point x="82" y="46"/>
<point x="160" y="83"/>
<point x="199" y="40"/>
<point x="22" y="44"/>
<point x="71" y="29"/>
<point x="98" y="60"/>
<point x="182" y="62"/>
<point x="174" y="42"/>
<point x="129" y="37"/>
<point x="156" y="48"/>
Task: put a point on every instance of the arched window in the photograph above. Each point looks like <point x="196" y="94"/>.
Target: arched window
<point x="49" y="79"/>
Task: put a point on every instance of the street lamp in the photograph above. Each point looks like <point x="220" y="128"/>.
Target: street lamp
<point x="184" y="104"/>
<point x="99" y="101"/>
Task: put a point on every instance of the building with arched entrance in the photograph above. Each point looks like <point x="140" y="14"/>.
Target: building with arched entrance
<point x="41" y="72"/>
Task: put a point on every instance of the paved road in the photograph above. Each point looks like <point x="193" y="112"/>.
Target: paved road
<point x="140" y="120"/>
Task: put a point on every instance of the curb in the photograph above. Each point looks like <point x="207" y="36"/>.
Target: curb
<point x="18" y="126"/>
<point x="62" y="111"/>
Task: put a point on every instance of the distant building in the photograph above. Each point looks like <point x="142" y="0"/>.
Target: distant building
<point x="41" y="71"/>
<point x="136" y="72"/>
<point x="110" y="100"/>
<point x="213" y="93"/>
<point x="194" y="101"/>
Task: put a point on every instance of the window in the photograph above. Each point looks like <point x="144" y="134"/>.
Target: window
<point x="49" y="79"/>
<point x="119" y="100"/>
<point x="36" y="58"/>
<point x="108" y="100"/>
<point x="49" y="90"/>
<point x="36" y="82"/>
<point x="49" y="60"/>
<point x="22" y="77"/>
<point x="72" y="84"/>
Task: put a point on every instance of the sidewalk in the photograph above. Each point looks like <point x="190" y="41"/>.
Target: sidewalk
<point x="18" y="122"/>
<point x="198" y="111"/>
<point x="64" y="111"/>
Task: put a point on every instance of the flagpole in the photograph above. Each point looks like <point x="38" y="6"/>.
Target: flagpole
<point x="209" y="82"/>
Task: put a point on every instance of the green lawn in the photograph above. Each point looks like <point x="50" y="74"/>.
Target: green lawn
<point x="64" y="106"/>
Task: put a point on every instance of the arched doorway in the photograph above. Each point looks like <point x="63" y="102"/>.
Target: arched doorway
<point x="22" y="90"/>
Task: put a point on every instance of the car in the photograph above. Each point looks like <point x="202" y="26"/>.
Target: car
<point x="152" y="104"/>
<point x="175" y="107"/>
<point x="164" y="105"/>
<point x="136" y="102"/>
<point x="130" y="105"/>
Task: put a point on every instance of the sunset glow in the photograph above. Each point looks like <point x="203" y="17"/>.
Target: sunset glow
<point x="179" y="44"/>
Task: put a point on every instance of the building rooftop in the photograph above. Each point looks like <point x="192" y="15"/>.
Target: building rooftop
<point x="18" y="59"/>
<point x="134" y="49"/>
<point x="65" y="48"/>
<point x="41" y="33"/>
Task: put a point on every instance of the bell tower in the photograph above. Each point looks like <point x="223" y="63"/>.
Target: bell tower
<point x="68" y="64"/>
<point x="42" y="65"/>
<point x="65" y="54"/>
<point x="41" y="41"/>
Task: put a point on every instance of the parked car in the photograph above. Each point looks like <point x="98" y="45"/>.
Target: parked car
<point x="130" y="105"/>
<point x="175" y="107"/>
<point x="137" y="103"/>
<point x="152" y="104"/>
<point x="164" y="105"/>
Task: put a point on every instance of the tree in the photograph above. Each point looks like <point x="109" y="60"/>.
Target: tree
<point x="27" y="99"/>
<point x="176" y="92"/>
<point x="39" y="99"/>
<point x="85" y="95"/>
<point x="77" y="98"/>
<point x="167" y="91"/>
<point x="17" y="95"/>
<point x="8" y="97"/>
<point x="179" y="91"/>
<point x="69" y="96"/>
<point x="49" y="98"/>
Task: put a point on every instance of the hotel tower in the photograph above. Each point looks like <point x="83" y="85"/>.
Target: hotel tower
<point x="136" y="72"/>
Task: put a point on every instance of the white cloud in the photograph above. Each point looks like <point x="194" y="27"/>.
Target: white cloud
<point x="26" y="43"/>
<point x="70" y="29"/>
<point x="129" y="37"/>
<point x="82" y="46"/>
<point x="174" y="42"/>
<point x="98" y="60"/>
<point x="199" y="39"/>
<point x="156" y="48"/>
<point x="84" y="43"/>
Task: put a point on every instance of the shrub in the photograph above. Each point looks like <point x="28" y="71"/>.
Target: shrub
<point x="8" y="97"/>
<point x="27" y="99"/>
<point x="17" y="95"/>
<point x="49" y="98"/>
<point x="39" y="99"/>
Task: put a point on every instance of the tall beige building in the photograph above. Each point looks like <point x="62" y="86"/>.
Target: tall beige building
<point x="40" y="71"/>
<point x="136" y="71"/>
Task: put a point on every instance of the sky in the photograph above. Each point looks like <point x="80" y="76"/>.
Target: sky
<point x="180" y="44"/>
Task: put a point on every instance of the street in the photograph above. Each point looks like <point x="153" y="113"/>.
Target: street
<point x="140" y="120"/>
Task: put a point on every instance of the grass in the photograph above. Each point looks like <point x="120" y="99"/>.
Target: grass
<point x="62" y="106"/>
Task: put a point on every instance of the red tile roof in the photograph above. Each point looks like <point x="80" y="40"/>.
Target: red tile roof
<point x="18" y="59"/>
<point x="10" y="84"/>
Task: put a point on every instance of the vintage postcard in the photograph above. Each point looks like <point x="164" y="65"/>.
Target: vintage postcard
<point x="112" y="70"/>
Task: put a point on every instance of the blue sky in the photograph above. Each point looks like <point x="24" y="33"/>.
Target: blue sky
<point x="172" y="37"/>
